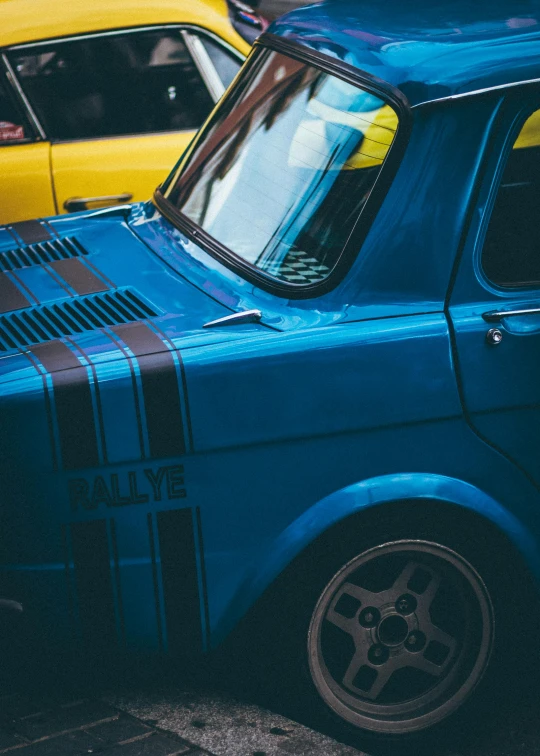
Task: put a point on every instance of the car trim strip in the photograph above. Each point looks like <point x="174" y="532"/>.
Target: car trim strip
<point x="129" y="30"/>
<point x="11" y="297"/>
<point x="160" y="387"/>
<point x="204" y="65"/>
<point x="93" y="580"/>
<point x="480" y="92"/>
<point x="73" y="404"/>
<point x="180" y="579"/>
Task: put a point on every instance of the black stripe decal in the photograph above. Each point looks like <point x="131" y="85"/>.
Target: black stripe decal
<point x="31" y="231"/>
<point x="94" y="582"/>
<point x="48" y="408"/>
<point x="180" y="581"/>
<point x="78" y="276"/>
<point x="160" y="389"/>
<point x="155" y="580"/>
<point x="167" y="340"/>
<point x="97" y="397"/>
<point x="56" y="278"/>
<point x="117" y="581"/>
<point x="69" y="582"/>
<point x="11" y="297"/>
<point x="73" y="402"/>
<point x="203" y="578"/>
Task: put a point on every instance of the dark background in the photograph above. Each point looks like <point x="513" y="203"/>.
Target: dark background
<point x="274" y="8"/>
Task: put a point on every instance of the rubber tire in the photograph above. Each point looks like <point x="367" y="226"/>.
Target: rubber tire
<point x="272" y="655"/>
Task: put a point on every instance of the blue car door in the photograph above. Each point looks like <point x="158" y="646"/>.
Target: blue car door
<point x="495" y="305"/>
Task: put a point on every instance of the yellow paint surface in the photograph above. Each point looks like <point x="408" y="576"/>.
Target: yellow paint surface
<point x="94" y="168"/>
<point x="25" y="182"/>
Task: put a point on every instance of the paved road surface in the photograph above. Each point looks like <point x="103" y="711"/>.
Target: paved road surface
<point x="152" y="722"/>
<point x="149" y="719"/>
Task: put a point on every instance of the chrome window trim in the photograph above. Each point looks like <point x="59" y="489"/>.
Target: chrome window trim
<point x="23" y="99"/>
<point x="148" y="134"/>
<point x="204" y="64"/>
<point x="478" y="92"/>
<point x="191" y="30"/>
<point x="128" y="30"/>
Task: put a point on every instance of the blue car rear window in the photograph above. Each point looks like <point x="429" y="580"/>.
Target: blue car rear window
<point x="281" y="174"/>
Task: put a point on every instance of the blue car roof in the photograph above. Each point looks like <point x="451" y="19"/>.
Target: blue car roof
<point x="429" y="50"/>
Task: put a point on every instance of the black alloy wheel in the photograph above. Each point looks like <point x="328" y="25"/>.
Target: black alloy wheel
<point x="400" y="637"/>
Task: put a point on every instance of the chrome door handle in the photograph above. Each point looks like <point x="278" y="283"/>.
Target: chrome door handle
<point x="74" y="204"/>
<point x="495" y="315"/>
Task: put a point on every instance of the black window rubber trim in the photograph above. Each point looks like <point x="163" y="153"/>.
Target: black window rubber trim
<point x="352" y="75"/>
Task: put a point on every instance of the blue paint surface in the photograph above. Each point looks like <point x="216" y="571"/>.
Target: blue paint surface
<point x="244" y="444"/>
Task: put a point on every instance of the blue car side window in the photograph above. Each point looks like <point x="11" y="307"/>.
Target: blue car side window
<point x="511" y="254"/>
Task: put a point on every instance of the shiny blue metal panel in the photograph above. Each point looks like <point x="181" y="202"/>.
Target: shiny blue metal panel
<point x="321" y="382"/>
<point x="263" y="505"/>
<point x="427" y="50"/>
<point x="499" y="385"/>
<point x="276" y="431"/>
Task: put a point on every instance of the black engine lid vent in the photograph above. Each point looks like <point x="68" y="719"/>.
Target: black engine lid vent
<point x="72" y="316"/>
<point x="42" y="252"/>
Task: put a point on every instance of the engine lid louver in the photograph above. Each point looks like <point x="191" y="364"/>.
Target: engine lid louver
<point x="70" y="317"/>
<point x="42" y="252"/>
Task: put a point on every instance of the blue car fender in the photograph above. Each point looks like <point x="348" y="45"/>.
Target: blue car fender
<point x="368" y="494"/>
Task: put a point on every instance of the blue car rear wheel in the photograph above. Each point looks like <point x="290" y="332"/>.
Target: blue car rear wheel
<point x="400" y="637"/>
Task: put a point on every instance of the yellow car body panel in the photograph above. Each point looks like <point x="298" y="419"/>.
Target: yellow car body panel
<point x="24" y="21"/>
<point x="25" y="182"/>
<point x="36" y="179"/>
<point x="126" y="165"/>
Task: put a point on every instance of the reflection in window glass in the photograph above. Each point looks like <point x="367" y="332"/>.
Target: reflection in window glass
<point x="511" y="254"/>
<point x="137" y="83"/>
<point x="282" y="176"/>
<point x="13" y="126"/>
<point x="226" y="64"/>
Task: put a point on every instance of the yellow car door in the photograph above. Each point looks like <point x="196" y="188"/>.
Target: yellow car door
<point x="25" y="185"/>
<point x="120" y="108"/>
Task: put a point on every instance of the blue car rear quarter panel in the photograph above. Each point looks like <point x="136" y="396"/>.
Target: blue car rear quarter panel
<point x="157" y="476"/>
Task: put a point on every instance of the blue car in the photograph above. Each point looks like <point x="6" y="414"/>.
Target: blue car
<point x="296" y="395"/>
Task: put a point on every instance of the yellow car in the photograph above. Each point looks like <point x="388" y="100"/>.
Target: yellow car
<point x="99" y="99"/>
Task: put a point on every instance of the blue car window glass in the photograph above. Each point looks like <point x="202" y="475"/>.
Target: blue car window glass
<point x="226" y="64"/>
<point x="135" y="83"/>
<point x="511" y="253"/>
<point x="283" y="172"/>
<point x="13" y="125"/>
